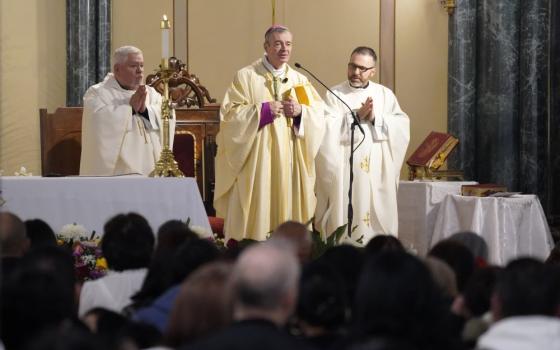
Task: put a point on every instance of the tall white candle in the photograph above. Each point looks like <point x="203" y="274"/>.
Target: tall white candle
<point x="165" y="26"/>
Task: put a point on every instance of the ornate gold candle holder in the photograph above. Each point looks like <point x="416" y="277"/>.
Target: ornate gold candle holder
<point x="166" y="166"/>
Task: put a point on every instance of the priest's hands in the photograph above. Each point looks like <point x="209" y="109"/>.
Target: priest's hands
<point x="276" y="108"/>
<point x="138" y="99"/>
<point x="366" y="111"/>
<point x="291" y="108"/>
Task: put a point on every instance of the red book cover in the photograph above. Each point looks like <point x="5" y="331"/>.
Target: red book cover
<point x="433" y="151"/>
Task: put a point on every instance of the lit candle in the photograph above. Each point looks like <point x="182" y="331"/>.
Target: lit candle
<point x="165" y="26"/>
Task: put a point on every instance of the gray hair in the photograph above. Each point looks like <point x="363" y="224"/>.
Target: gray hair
<point x="264" y="274"/>
<point x="274" y="29"/>
<point x="121" y="54"/>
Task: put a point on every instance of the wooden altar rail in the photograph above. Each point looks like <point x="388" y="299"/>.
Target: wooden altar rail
<point x="61" y="134"/>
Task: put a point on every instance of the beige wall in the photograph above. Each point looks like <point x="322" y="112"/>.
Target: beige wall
<point x="32" y="76"/>
<point x="223" y="37"/>
<point x="137" y="23"/>
<point x="421" y="66"/>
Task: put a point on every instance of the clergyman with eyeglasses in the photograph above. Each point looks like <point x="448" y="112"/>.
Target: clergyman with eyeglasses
<point x="378" y="156"/>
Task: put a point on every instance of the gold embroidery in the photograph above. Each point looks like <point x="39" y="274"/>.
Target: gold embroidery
<point x="366" y="219"/>
<point x="142" y="129"/>
<point x="364" y="164"/>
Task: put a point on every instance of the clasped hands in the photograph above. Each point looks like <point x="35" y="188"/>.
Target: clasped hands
<point x="290" y="108"/>
<point x="138" y="99"/>
<point x="366" y="111"/>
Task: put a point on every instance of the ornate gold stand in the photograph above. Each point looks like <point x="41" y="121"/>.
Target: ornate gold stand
<point x="166" y="166"/>
<point x="426" y="173"/>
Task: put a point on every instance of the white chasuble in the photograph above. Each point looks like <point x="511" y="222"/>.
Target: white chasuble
<point x="114" y="140"/>
<point x="378" y="159"/>
<point x="265" y="176"/>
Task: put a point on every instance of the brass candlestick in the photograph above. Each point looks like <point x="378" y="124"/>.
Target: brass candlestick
<point x="166" y="166"/>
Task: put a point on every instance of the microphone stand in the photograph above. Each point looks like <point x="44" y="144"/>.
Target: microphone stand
<point x="355" y="122"/>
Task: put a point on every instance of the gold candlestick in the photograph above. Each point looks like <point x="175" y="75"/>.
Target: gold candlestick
<point x="166" y="166"/>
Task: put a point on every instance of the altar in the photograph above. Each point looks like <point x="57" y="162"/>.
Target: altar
<point x="91" y="201"/>
<point x="418" y="204"/>
<point x="512" y="227"/>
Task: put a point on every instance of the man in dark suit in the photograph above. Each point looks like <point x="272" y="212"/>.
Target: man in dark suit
<point x="264" y="286"/>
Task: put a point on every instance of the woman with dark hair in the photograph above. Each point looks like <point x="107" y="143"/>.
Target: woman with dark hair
<point x="322" y="309"/>
<point x="187" y="258"/>
<point x="170" y="237"/>
<point x="127" y="245"/>
<point x="397" y="299"/>
<point x="40" y="234"/>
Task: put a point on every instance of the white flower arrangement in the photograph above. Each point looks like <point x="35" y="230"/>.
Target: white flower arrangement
<point x="73" y="232"/>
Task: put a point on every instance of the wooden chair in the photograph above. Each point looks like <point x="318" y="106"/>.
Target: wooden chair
<point x="61" y="141"/>
<point x="184" y="88"/>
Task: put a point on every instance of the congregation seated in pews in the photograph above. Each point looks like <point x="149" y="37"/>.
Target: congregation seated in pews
<point x="172" y="289"/>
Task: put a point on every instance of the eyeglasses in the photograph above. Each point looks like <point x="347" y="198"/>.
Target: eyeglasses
<point x="352" y="67"/>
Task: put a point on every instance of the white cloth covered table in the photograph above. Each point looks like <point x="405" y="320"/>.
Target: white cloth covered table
<point x="512" y="227"/>
<point x="91" y="201"/>
<point x="418" y="203"/>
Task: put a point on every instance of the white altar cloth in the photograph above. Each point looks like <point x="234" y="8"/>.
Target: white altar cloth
<point x="512" y="227"/>
<point x="418" y="203"/>
<point x="91" y="201"/>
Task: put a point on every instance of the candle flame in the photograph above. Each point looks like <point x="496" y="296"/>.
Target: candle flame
<point x="165" y="17"/>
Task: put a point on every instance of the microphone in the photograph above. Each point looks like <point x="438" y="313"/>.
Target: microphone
<point x="354" y="116"/>
<point x="284" y="81"/>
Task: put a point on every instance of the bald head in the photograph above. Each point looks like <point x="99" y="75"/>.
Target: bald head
<point x="298" y="235"/>
<point x="13" y="236"/>
<point x="265" y="279"/>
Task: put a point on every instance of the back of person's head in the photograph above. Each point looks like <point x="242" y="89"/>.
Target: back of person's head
<point x="13" y="236"/>
<point x="383" y="243"/>
<point x="203" y="305"/>
<point x="265" y="279"/>
<point x="322" y="298"/>
<point x="39" y="233"/>
<point x="191" y="255"/>
<point x="172" y="234"/>
<point x="128" y="242"/>
<point x="395" y="290"/>
<point x="525" y="287"/>
<point x="458" y="257"/>
<point x="478" y="292"/>
<point x="347" y="260"/>
<point x="299" y="235"/>
<point x="475" y="243"/>
<point x="398" y="299"/>
<point x="38" y="295"/>
<point x="443" y="275"/>
<point x="53" y="259"/>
